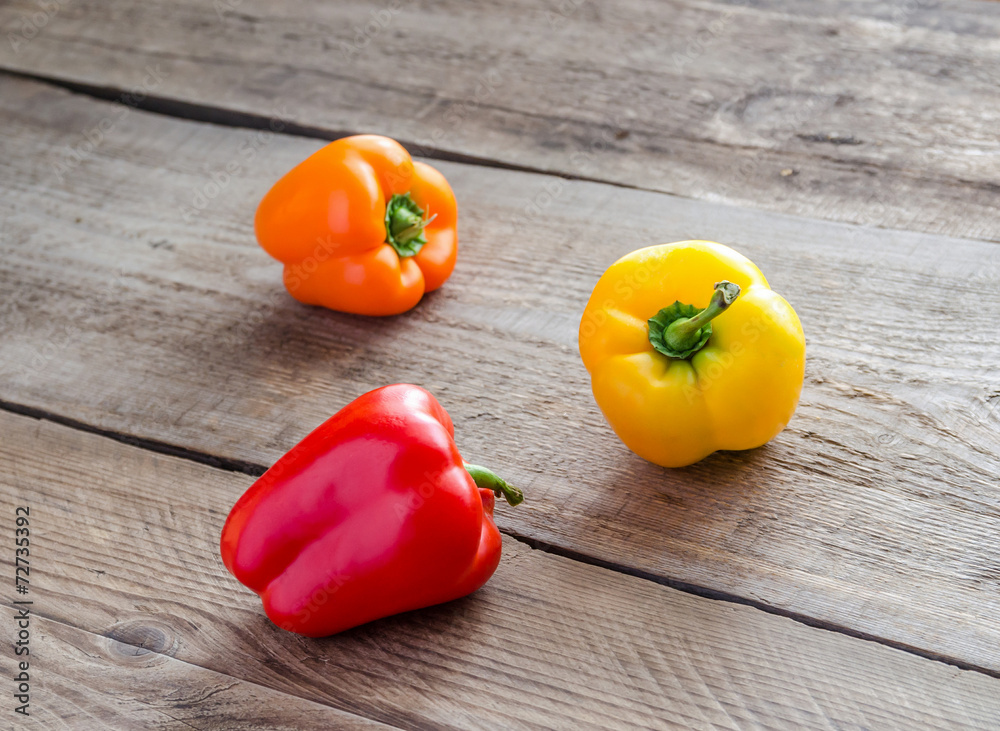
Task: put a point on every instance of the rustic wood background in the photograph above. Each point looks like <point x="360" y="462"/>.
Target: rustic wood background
<point x="847" y="575"/>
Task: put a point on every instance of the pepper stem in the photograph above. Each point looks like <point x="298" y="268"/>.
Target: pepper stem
<point x="405" y="224"/>
<point x="489" y="480"/>
<point x="412" y="231"/>
<point x="680" y="330"/>
<point x="684" y="333"/>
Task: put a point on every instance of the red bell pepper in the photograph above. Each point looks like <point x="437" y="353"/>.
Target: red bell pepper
<point x="372" y="514"/>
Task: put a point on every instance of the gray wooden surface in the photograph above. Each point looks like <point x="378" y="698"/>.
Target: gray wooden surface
<point x="134" y="303"/>
<point x="876" y="510"/>
<point x="91" y="680"/>
<point x="884" y="113"/>
<point x="139" y="607"/>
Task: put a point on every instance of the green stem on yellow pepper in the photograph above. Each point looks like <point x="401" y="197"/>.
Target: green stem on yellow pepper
<point x="683" y="333"/>
<point x="680" y="330"/>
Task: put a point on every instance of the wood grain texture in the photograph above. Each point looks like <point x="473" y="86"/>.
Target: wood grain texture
<point x="877" y="509"/>
<point x="85" y="681"/>
<point x="872" y="113"/>
<point x="124" y="545"/>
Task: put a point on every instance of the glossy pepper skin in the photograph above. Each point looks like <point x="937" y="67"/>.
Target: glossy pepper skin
<point x="326" y="220"/>
<point x="734" y="390"/>
<point x="373" y="513"/>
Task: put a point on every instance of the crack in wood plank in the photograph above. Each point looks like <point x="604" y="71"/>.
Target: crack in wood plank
<point x="556" y="550"/>
<point x="297" y="711"/>
<point x="625" y="653"/>
<point x="709" y="100"/>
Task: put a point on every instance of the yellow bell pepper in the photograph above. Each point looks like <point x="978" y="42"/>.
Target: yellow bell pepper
<point x="689" y="351"/>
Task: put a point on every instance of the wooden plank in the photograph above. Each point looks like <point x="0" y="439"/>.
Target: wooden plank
<point x="872" y="113"/>
<point x="124" y="545"/>
<point x="876" y="510"/>
<point x="80" y="680"/>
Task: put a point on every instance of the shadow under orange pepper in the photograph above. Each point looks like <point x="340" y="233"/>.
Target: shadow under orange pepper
<point x="361" y="227"/>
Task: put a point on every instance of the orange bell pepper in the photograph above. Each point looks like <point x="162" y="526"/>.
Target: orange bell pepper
<point x="361" y="227"/>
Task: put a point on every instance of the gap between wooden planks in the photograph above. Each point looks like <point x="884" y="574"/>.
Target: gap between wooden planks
<point x="875" y="511"/>
<point x="845" y="110"/>
<point x="84" y="680"/>
<point x="124" y="548"/>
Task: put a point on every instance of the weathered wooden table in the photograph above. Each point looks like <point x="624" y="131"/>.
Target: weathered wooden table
<point x="845" y="576"/>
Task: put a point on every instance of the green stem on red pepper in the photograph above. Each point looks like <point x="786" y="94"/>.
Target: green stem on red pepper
<point x="489" y="480"/>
